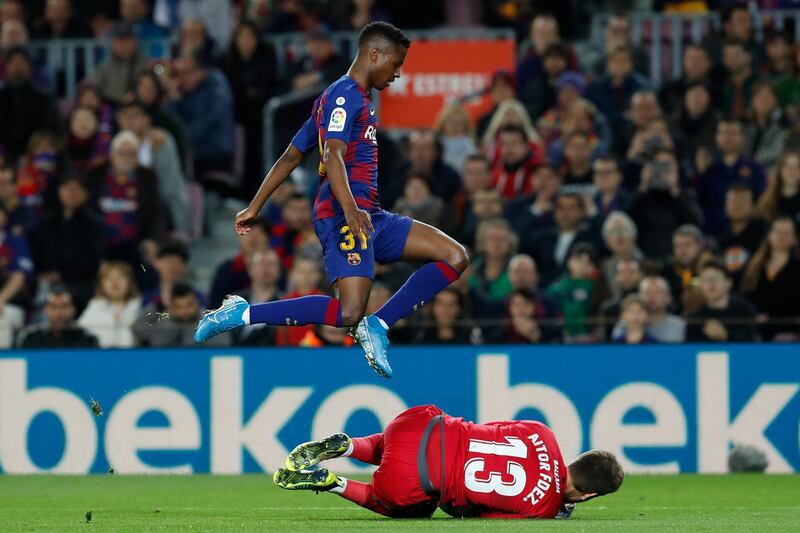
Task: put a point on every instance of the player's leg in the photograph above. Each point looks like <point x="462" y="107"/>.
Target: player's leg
<point x="445" y="260"/>
<point x="365" y="449"/>
<point x="350" y="272"/>
<point x="322" y="480"/>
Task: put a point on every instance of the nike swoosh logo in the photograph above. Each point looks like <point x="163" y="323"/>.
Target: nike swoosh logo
<point x="371" y="111"/>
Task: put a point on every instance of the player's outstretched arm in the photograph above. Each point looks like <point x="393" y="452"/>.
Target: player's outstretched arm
<point x="333" y="158"/>
<point x="283" y="167"/>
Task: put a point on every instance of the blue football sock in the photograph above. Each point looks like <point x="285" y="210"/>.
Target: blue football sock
<point x="419" y="289"/>
<point x="315" y="309"/>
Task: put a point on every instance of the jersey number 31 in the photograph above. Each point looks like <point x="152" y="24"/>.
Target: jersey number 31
<point x="478" y="480"/>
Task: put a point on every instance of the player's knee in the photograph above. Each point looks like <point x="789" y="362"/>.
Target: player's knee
<point x="351" y="316"/>
<point x="458" y="257"/>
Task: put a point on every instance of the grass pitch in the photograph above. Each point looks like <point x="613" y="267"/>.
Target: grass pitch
<point x="218" y="503"/>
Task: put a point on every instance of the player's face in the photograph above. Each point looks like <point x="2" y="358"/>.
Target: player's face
<point x="386" y="65"/>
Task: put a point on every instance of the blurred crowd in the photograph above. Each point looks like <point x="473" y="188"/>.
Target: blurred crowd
<point x="597" y="207"/>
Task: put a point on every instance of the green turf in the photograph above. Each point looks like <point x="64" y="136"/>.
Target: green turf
<point x="206" y="503"/>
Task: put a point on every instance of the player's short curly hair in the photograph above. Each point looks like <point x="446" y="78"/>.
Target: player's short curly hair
<point x="596" y="472"/>
<point x="383" y="30"/>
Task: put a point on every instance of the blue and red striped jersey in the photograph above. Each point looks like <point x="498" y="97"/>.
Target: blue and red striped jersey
<point x="344" y="111"/>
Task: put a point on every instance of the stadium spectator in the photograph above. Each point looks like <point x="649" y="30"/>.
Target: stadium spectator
<point x="418" y="202"/>
<point x="661" y="205"/>
<point x="766" y="130"/>
<point x="231" y="275"/>
<point x="540" y="94"/>
<point x="513" y="173"/>
<point x="39" y="171"/>
<point x="696" y="67"/>
<point x="689" y="254"/>
<point x="16" y="266"/>
<point x="744" y="232"/>
<point x="14" y="34"/>
<point x="175" y="328"/>
<point x="150" y="93"/>
<point x="772" y="281"/>
<point x="355" y="14"/>
<point x="732" y="166"/>
<point x="609" y="195"/>
<point x="788" y="86"/>
<point x="476" y="177"/>
<point x="643" y="110"/>
<point x="724" y="316"/>
<point x="577" y="292"/>
<point x="60" y="23"/>
<point x="495" y="243"/>
<point x="577" y="165"/>
<point x="89" y="96"/>
<point x="24" y="108"/>
<point x="424" y="157"/>
<point x="193" y="39"/>
<point x="456" y="135"/>
<point x="779" y="51"/>
<point x="137" y="15"/>
<point x="628" y="275"/>
<point x="159" y="153"/>
<point x="544" y="31"/>
<point x="218" y="18"/>
<point x="71" y="227"/>
<point x="172" y="265"/>
<point x="694" y="123"/>
<point x="446" y="322"/>
<point x="612" y="92"/>
<point x="782" y="196"/>
<point x="580" y="116"/>
<point x="503" y="87"/>
<point x="251" y="68"/>
<point x="126" y="195"/>
<point x="618" y="33"/>
<point x="634" y="318"/>
<point x="663" y="326"/>
<point x="294" y="236"/>
<point x="22" y="218"/>
<point x="509" y="113"/>
<point x="522" y="325"/>
<point x="320" y="65"/>
<point x="619" y="234"/>
<point x="485" y="204"/>
<point x="201" y="97"/>
<point x="264" y="271"/>
<point x="59" y="329"/>
<point x="111" y="314"/>
<point x="737" y="24"/>
<point x="12" y="10"/>
<point x="739" y="80"/>
<point x="304" y="279"/>
<point x="87" y="147"/>
<point x="116" y="76"/>
<point x="550" y="246"/>
<point x="570" y="87"/>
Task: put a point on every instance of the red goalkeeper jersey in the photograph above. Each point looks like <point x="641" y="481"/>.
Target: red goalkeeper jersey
<point x="507" y="469"/>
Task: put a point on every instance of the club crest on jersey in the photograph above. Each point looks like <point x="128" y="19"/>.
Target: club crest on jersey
<point x="338" y="118"/>
<point x="353" y="258"/>
<point x="371" y="133"/>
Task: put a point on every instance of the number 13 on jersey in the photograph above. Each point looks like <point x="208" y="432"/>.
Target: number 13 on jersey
<point x="508" y="483"/>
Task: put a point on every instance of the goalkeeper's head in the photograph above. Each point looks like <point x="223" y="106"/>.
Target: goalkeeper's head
<point x="594" y="473"/>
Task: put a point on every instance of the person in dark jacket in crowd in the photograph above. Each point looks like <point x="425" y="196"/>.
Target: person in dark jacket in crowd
<point x="724" y="316"/>
<point x="59" y="329"/>
<point x="250" y="67"/>
<point x="447" y="319"/>
<point x="68" y="245"/>
<point x="772" y="281"/>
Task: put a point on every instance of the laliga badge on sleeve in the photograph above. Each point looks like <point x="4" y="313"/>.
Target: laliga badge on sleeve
<point x="338" y="118"/>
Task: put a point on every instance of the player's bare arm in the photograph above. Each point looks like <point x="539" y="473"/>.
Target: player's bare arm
<point x="283" y="167"/>
<point x="333" y="159"/>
